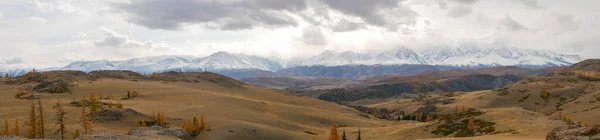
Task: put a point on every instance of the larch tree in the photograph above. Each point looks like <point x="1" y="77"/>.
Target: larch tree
<point x="202" y="122"/>
<point x="471" y="125"/>
<point x="41" y="122"/>
<point x="61" y="122"/>
<point x="144" y="123"/>
<point x="93" y="103"/>
<point x="17" y="129"/>
<point x="5" y="129"/>
<point x="119" y="105"/>
<point x="110" y="105"/>
<point x="137" y="123"/>
<point x="196" y="126"/>
<point x="85" y="120"/>
<point x="161" y="119"/>
<point x="545" y="94"/>
<point x="456" y="109"/>
<point x="32" y="123"/>
<point x="334" y="135"/>
<point x="464" y="110"/>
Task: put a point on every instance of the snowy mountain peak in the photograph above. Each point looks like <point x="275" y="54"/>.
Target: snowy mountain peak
<point x="468" y="56"/>
<point x="216" y="61"/>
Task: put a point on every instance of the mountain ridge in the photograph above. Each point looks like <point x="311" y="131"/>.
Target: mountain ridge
<point x="465" y="57"/>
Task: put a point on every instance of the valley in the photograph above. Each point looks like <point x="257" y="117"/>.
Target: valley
<point x="523" y="107"/>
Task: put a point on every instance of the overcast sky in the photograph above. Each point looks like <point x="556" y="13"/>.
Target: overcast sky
<point x="51" y="33"/>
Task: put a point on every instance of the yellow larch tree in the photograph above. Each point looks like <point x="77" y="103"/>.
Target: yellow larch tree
<point x="5" y="129"/>
<point x="334" y="135"/>
<point x="84" y="119"/>
<point x="471" y="125"/>
<point x="137" y="123"/>
<point x="93" y="103"/>
<point x="202" y="122"/>
<point x="41" y="122"/>
<point x="61" y="121"/>
<point x="196" y="126"/>
<point x="17" y="129"/>
<point x="32" y="123"/>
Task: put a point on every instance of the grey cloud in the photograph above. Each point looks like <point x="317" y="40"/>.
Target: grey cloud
<point x="313" y="36"/>
<point x="111" y="38"/>
<point x="530" y="3"/>
<point x="114" y="39"/>
<point x="460" y="11"/>
<point x="346" y="26"/>
<point x="15" y="60"/>
<point x="466" y="1"/>
<point x="225" y="15"/>
<point x="383" y="13"/>
<point x="443" y="5"/>
<point x="510" y="24"/>
<point x="566" y="21"/>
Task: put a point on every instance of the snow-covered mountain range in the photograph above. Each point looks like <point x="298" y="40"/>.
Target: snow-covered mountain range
<point x="214" y="62"/>
<point x="447" y="56"/>
<point x="467" y="57"/>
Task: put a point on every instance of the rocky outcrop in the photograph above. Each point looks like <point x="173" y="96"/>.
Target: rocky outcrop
<point x="158" y="130"/>
<point x="575" y="132"/>
<point x="103" y="136"/>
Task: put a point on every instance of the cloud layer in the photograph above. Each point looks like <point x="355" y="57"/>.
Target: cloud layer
<point x="55" y="32"/>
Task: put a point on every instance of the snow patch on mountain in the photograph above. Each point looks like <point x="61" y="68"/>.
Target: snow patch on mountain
<point x="469" y="56"/>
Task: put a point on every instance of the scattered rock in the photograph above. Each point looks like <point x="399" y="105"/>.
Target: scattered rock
<point x="109" y="115"/>
<point x="575" y="132"/>
<point x="158" y="130"/>
<point x="102" y="136"/>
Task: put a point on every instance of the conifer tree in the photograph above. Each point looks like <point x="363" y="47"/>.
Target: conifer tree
<point x="31" y="124"/>
<point x="84" y="120"/>
<point x="100" y="97"/>
<point x="344" y="135"/>
<point x="93" y="103"/>
<point x="456" y="109"/>
<point x="334" y="135"/>
<point x="471" y="125"/>
<point x="144" y="123"/>
<point x="119" y="105"/>
<point x="128" y="94"/>
<point x="76" y="134"/>
<point x="60" y="121"/>
<point x="161" y="119"/>
<point x="137" y="123"/>
<point x="184" y="126"/>
<point x="17" y="129"/>
<point x="110" y="105"/>
<point x="5" y="129"/>
<point x="41" y="132"/>
<point x="6" y="76"/>
<point x="464" y="110"/>
<point x="358" y="138"/>
<point x="585" y="123"/>
<point x="202" y="123"/>
<point x="196" y="126"/>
